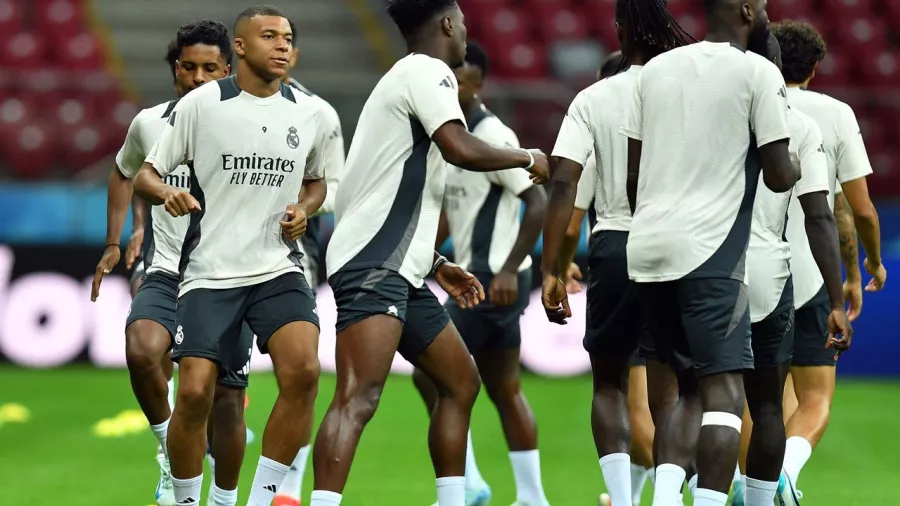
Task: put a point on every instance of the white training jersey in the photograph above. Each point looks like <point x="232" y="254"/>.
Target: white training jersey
<point x="587" y="184"/>
<point x="847" y="160"/>
<point x="248" y="158"/>
<point x="483" y="208"/>
<point x="388" y="205"/>
<point x="591" y="130"/>
<point x="769" y="254"/>
<point x="166" y="232"/>
<point x="700" y="111"/>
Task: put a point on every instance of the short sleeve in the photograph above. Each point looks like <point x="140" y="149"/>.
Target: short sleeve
<point x="177" y="143"/>
<point x="317" y="159"/>
<point x="433" y="95"/>
<point x="852" y="161"/>
<point x="768" y="108"/>
<point x="813" y="164"/>
<point x="131" y="156"/>
<point x="587" y="184"/>
<point x="334" y="157"/>
<point x="575" y="140"/>
<point x="633" y="123"/>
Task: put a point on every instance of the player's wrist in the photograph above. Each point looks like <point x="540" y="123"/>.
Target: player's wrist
<point x="111" y="244"/>
<point x="440" y="261"/>
<point x="530" y="164"/>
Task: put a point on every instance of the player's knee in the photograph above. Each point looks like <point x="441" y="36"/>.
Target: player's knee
<point x="466" y="390"/>
<point x="360" y="403"/>
<point x="504" y="391"/>
<point x="817" y="402"/>
<point x="300" y="379"/>
<point x="228" y="406"/>
<point x="195" y="397"/>
<point x="723" y="393"/>
<point x="143" y="349"/>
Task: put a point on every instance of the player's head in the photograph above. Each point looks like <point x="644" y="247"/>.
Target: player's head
<point x="646" y="29"/>
<point x="802" y="48"/>
<point x="200" y="53"/>
<point x="294" y="52"/>
<point x="746" y="18"/>
<point x="471" y="73"/>
<point x="773" y="52"/>
<point x="611" y="65"/>
<point x="263" y="42"/>
<point x="437" y="24"/>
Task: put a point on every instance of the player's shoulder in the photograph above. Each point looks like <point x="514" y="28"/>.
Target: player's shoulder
<point x="493" y="129"/>
<point x="158" y="112"/>
<point x="801" y="125"/>
<point x="421" y="66"/>
<point x="834" y="108"/>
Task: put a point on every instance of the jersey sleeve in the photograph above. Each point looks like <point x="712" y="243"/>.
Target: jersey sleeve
<point x="495" y="133"/>
<point x="633" y="126"/>
<point x="131" y="156"/>
<point x="575" y="140"/>
<point x="587" y="184"/>
<point x="317" y="158"/>
<point x="768" y="108"/>
<point x="334" y="157"/>
<point x="852" y="161"/>
<point x="813" y="164"/>
<point x="177" y="143"/>
<point x="433" y="96"/>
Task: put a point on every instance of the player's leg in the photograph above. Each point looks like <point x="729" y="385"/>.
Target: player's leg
<point x="790" y="403"/>
<point x="282" y="314"/>
<point x="198" y="339"/>
<point x="367" y="339"/>
<point x="229" y="438"/>
<point x="642" y="427"/>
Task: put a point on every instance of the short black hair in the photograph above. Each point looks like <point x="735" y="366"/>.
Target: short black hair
<point x="802" y="47"/>
<point x="173" y="52"/>
<point x="611" y="65"/>
<point x="477" y="57"/>
<point x="411" y="15"/>
<point x="257" y="10"/>
<point x="293" y="27"/>
<point x="206" y="32"/>
<point x="650" y="28"/>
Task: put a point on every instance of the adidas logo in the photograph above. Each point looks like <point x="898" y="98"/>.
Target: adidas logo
<point x="821" y="148"/>
<point x="448" y="83"/>
<point x="271" y="488"/>
<point x="189" y="500"/>
<point x="782" y="93"/>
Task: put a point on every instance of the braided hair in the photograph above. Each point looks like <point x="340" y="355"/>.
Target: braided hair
<point x="650" y="29"/>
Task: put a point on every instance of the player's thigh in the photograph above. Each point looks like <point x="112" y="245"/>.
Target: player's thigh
<point x="500" y="326"/>
<point x="814" y="383"/>
<point x="470" y="324"/>
<point x="637" y="390"/>
<point x="234" y="367"/>
<point x="155" y="301"/>
<point x="274" y="305"/>
<point x="209" y="323"/>
<point x="661" y="315"/>
<point x="811" y="334"/>
<point x="715" y="314"/>
<point x="499" y="369"/>
<point x="612" y="299"/>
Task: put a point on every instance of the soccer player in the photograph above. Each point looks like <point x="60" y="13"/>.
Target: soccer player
<point x="771" y="296"/>
<point x="254" y="148"/>
<point x="290" y="490"/>
<point x="482" y="211"/>
<point x="591" y="129"/>
<point x="813" y="366"/>
<point x="387" y="212"/>
<point x="200" y="53"/>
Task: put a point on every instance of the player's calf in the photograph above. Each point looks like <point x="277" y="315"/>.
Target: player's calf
<point x="722" y="398"/>
<point x="146" y="345"/>
<point x="228" y="442"/>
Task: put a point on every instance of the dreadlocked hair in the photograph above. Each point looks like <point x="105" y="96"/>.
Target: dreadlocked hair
<point x="650" y="28"/>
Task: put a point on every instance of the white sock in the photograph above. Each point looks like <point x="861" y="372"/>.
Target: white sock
<point x="212" y="465"/>
<point x="651" y="475"/>
<point x="451" y="491"/>
<point x="325" y="498"/>
<point x="474" y="480"/>
<point x="223" y="497"/>
<point x="760" y="493"/>
<point x="161" y="432"/>
<point x="638" y="479"/>
<point x="268" y="477"/>
<point x="669" y="482"/>
<point x="187" y="492"/>
<point x="291" y="484"/>
<point x="171" y="384"/>
<point x="616" y="469"/>
<point x="706" y="497"/>
<point x="527" y="472"/>
<point x="796" y="452"/>
<point x="737" y="473"/>
<point x="692" y="486"/>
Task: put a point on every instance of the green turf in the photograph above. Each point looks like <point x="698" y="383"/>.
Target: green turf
<point x="54" y="458"/>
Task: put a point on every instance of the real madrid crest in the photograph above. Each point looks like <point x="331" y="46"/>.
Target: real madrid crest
<point x="293" y="140"/>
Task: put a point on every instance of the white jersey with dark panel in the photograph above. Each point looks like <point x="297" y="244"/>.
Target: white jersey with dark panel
<point x="591" y="130"/>
<point x="847" y="160"/>
<point x="701" y="111"/>
<point x="388" y="205"/>
<point x="769" y="254"/>
<point x="248" y="157"/>
<point x="161" y="250"/>
<point x="334" y="167"/>
<point x="483" y="208"/>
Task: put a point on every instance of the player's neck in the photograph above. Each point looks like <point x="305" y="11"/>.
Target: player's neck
<point x="636" y="58"/>
<point x="432" y="48"/>
<point x="252" y="84"/>
<point x="804" y="85"/>
<point x="722" y="34"/>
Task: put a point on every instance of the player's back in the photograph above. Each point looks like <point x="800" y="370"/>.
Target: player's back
<point x="699" y="164"/>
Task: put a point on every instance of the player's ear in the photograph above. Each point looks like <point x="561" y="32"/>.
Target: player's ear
<point x="227" y="70"/>
<point x="239" y="46"/>
<point x="447" y="26"/>
<point x="748" y="12"/>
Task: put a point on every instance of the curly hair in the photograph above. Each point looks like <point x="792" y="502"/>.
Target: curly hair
<point x="802" y="48"/>
<point x="651" y="29"/>
<point x="411" y="15"/>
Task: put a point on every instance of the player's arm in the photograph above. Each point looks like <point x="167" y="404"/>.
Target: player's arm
<point x="633" y="173"/>
<point x="633" y="129"/>
<point x="138" y="225"/>
<point x="843" y="216"/>
<point x="768" y="121"/>
<point x="443" y="233"/>
<point x="572" y="239"/>
<point x="334" y="158"/>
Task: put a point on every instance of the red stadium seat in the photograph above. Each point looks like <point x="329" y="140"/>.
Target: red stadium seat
<point x="522" y="61"/>
<point x="885" y="181"/>
<point x="789" y="9"/>
<point x="863" y="34"/>
<point x="15" y="111"/>
<point x="22" y="51"/>
<point x="503" y="27"/>
<point x="892" y="13"/>
<point x="83" y="145"/>
<point x="59" y="17"/>
<point x="30" y="149"/>
<point x="681" y="7"/>
<point x="835" y="70"/>
<point x="881" y="69"/>
<point x="73" y="111"/>
<point x="873" y="128"/>
<point x="607" y="34"/>
<point x="694" y="24"/>
<point x="564" y="24"/>
<point x="10" y="16"/>
<point x="79" y="52"/>
<point x="836" y="9"/>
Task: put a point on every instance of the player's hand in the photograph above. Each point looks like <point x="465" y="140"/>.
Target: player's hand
<point x="879" y="276"/>
<point x="133" y="251"/>
<point x="504" y="289"/>
<point x="853" y="296"/>
<point x="179" y="203"/>
<point x="540" y="171"/>
<point x="573" y="276"/>
<point x="839" y="325"/>
<point x="555" y="300"/>
<point x="294" y="223"/>
<point x="460" y="284"/>
<point x="109" y="260"/>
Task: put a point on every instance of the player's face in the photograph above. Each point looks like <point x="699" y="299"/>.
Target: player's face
<point x="456" y="29"/>
<point x="198" y="65"/>
<point x="267" y="46"/>
<point x="759" y="31"/>
<point x="469" y="79"/>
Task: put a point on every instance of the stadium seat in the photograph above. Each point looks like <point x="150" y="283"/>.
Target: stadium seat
<point x="22" y="50"/>
<point x="504" y="25"/>
<point x="681" y="7"/>
<point x="15" y="111"/>
<point x="881" y="68"/>
<point x="835" y="70"/>
<point x="605" y="28"/>
<point x="59" y="17"/>
<point x="694" y="24"/>
<point x="788" y="9"/>
<point x="836" y="9"/>
<point x="71" y="111"/>
<point x="863" y="34"/>
<point x="29" y="149"/>
<point x="564" y="24"/>
<point x="892" y="14"/>
<point x="10" y="16"/>
<point x="79" y="52"/>
<point x="873" y="127"/>
<point x="83" y="145"/>
<point x="522" y="61"/>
